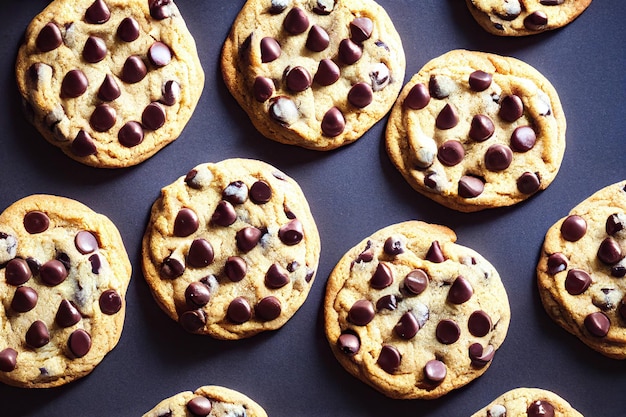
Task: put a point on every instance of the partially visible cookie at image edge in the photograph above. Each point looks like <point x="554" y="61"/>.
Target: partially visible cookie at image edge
<point x="528" y="402"/>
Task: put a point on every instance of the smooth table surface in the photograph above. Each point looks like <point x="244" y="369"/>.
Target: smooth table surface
<point x="353" y="191"/>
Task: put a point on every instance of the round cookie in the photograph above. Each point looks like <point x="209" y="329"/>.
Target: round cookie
<point x="63" y="279"/>
<point x="313" y="73"/>
<point x="231" y="249"/>
<point x="474" y="130"/>
<point x="207" y="401"/>
<point x="528" y="402"/>
<point x="109" y="82"/>
<point x="581" y="271"/>
<point x="413" y="314"/>
<point x="524" y="17"/>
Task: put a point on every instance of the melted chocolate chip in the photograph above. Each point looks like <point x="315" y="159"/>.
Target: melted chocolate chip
<point x="324" y="7"/>
<point x="387" y="302"/>
<point x="447" y="118"/>
<point x="128" y="30"/>
<point x="434" y="253"/>
<point x="407" y="327"/>
<point x="349" y="52"/>
<point x="97" y="13"/>
<point x="360" y="95"/>
<point x="361" y="29"/>
<point x="540" y="408"/>
<point x="382" y="277"/>
<point x="327" y="73"/>
<point x="498" y="157"/>
<point x="393" y="246"/>
<point x="172" y="268"/>
<point x="361" y="313"/>
<point x="53" y="272"/>
<point x="598" y="324"/>
<point x="94" y="50"/>
<point x="435" y="371"/>
<point x="460" y="291"/>
<point x="79" y="343"/>
<point x="260" y="192"/>
<point x="348" y="343"/>
<point x="67" y="315"/>
<point x="523" y="139"/>
<point x="224" y="214"/>
<point x="333" y="123"/>
<point x="247" y="238"/>
<point x="103" y="118"/>
<point x="37" y="335"/>
<point x="268" y="308"/>
<point x="262" y="89"/>
<point x="49" y="38"/>
<point x="537" y="20"/>
<point x="192" y="320"/>
<point x="235" y="268"/>
<point x="83" y="144"/>
<point x="197" y="294"/>
<point x="131" y="134"/>
<point x="17" y="272"/>
<point x="528" y="183"/>
<point x="160" y="9"/>
<point x="296" y="21"/>
<point x="74" y="84"/>
<point x="278" y="6"/>
<point x="573" y="228"/>
<point x="480" y="356"/>
<point x="470" y="186"/>
<point x="389" y="359"/>
<point x="481" y="128"/>
<point x="199" y="406"/>
<point x="511" y="108"/>
<point x="317" y="40"/>
<point x="110" y="302"/>
<point x="36" y="222"/>
<point x="8" y="360"/>
<point x="236" y="192"/>
<point x="200" y="253"/>
<point x="134" y="70"/>
<point x="159" y="54"/>
<point x="291" y="233"/>
<point x="270" y="49"/>
<point x="479" y="323"/>
<point x="417" y="98"/>
<point x="451" y="153"/>
<point x="276" y="277"/>
<point x="615" y="223"/>
<point x="24" y="299"/>
<point x="239" y="310"/>
<point x="577" y="281"/>
<point x="416" y="282"/>
<point x="153" y="116"/>
<point x="186" y="222"/>
<point x="109" y="90"/>
<point x="480" y="80"/>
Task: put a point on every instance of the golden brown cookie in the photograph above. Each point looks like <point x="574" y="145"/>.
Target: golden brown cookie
<point x="313" y="73"/>
<point x="63" y="278"/>
<point x="528" y="402"/>
<point x="413" y="314"/>
<point x="473" y="130"/>
<point x="231" y="249"/>
<point x="582" y="268"/>
<point x="109" y="82"/>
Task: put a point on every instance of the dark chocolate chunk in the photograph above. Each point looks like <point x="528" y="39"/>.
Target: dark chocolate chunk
<point x="53" y="272"/>
<point x="451" y="153"/>
<point x="361" y="29"/>
<point x="17" y="272"/>
<point x="537" y="20"/>
<point x="67" y="315"/>
<point x="199" y="406"/>
<point x="440" y="86"/>
<point x="260" y="192"/>
<point x="577" y="281"/>
<point x="619" y="269"/>
<point x="417" y="98"/>
<point x="333" y="123"/>
<point x="360" y="95"/>
<point x="291" y="233"/>
<point x="134" y="70"/>
<point x="37" y="335"/>
<point x="197" y="294"/>
<point x="110" y="302"/>
<point x="224" y="214"/>
<point x="79" y="343"/>
<point x="49" y="38"/>
<point x="262" y="89"/>
<point x="361" y="313"/>
<point x="8" y="359"/>
<point x="296" y="21"/>
<point x="610" y="251"/>
<point x="447" y="332"/>
<point x="317" y="40"/>
<point x="235" y="268"/>
<point x="523" y="139"/>
<point x="268" y="308"/>
<point x="324" y="7"/>
<point x="192" y="320"/>
<point x="389" y="359"/>
<point x="160" y="9"/>
<point x="270" y="49"/>
<point x="172" y="268"/>
<point x="480" y="356"/>
<point x="97" y="13"/>
<point x="460" y="291"/>
<point x="276" y="277"/>
<point x="435" y="371"/>
<point x="480" y="80"/>
<point x="540" y="408"/>
<point x="470" y="186"/>
<point x="74" y="84"/>
<point x="159" y="54"/>
<point x="131" y="134"/>
<point x="128" y="30"/>
<point x="528" y="183"/>
<point x="24" y="299"/>
<point x="236" y="192"/>
<point x="96" y="263"/>
<point x="298" y="79"/>
<point x="278" y="6"/>
<point x="557" y="262"/>
<point x="153" y="116"/>
<point x="598" y="324"/>
<point x="348" y="343"/>
<point x="94" y="50"/>
<point x="573" y="228"/>
<point x="34" y="265"/>
<point x="434" y="253"/>
<point x="416" y="282"/>
<point x="511" y="108"/>
<point x="387" y="302"/>
<point x="109" y="90"/>
<point x="83" y="144"/>
<point x="479" y="323"/>
<point x="615" y="223"/>
<point x="36" y="222"/>
<point x="349" y="52"/>
<point x="247" y="238"/>
<point x="367" y="255"/>
<point x="170" y="92"/>
<point x="481" y="128"/>
<point x="393" y="246"/>
<point x="103" y="118"/>
<point x="327" y="72"/>
<point x="64" y="259"/>
<point x="407" y="327"/>
<point x="200" y="253"/>
<point x="186" y="222"/>
<point x="498" y="157"/>
<point x="382" y="277"/>
<point x="447" y="117"/>
<point x="239" y="310"/>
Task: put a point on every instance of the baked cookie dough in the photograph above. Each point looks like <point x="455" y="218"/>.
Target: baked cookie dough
<point x="208" y="401"/>
<point x="231" y="249"/>
<point x="413" y="314"/>
<point x="524" y="17"/>
<point x="313" y="73"/>
<point x="474" y="130"/>
<point x="109" y="82"/>
<point x="63" y="279"/>
<point x="528" y="402"/>
<point x="582" y="268"/>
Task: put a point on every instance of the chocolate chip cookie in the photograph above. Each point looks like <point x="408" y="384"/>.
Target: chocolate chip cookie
<point x="413" y="314"/>
<point x="206" y="401"/>
<point x="231" y="249"/>
<point x="524" y="17"/>
<point x="313" y="73"/>
<point x="474" y="130"/>
<point x="582" y="269"/>
<point x="63" y="278"/>
<point x="528" y="402"/>
<point x="109" y="82"/>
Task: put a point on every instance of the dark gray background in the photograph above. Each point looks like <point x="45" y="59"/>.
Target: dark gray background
<point x="352" y="191"/>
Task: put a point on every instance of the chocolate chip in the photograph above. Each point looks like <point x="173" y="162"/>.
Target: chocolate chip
<point x="153" y="116"/>
<point x="239" y="310"/>
<point x="361" y="313"/>
<point x="160" y="9"/>
<point x="481" y="356"/>
<point x="481" y="128"/>
<point x="441" y="86"/>
<point x="109" y="90"/>
<point x="103" y="118"/>
<point x="416" y="282"/>
<point x="79" y="343"/>
<point x="110" y="302"/>
<point x="224" y="214"/>
<point x="236" y="192"/>
<point x="598" y="324"/>
<point x="367" y="255"/>
<point x="270" y="49"/>
<point x="291" y="233"/>
<point x="235" y="268"/>
<point x="380" y="76"/>
<point x="451" y="153"/>
<point x="523" y="139"/>
<point x="389" y="359"/>
<point x="64" y="258"/>
<point x="435" y="371"/>
<point x="276" y="277"/>
<point x="360" y="95"/>
<point x="128" y="30"/>
<point x="96" y="263"/>
<point x="573" y="228"/>
<point x="260" y="192"/>
<point x="407" y="327"/>
<point x="610" y="251"/>
<point x="159" y="54"/>
<point x="186" y="222"/>
<point x="434" y="253"/>
<point x="94" y="50"/>
<point x="284" y="110"/>
<point x="172" y="268"/>
<point x="577" y="281"/>
<point x="327" y="73"/>
<point x="480" y="80"/>
<point x="131" y="134"/>
<point x="460" y="291"/>
<point x="528" y="183"/>
<point x="192" y="320"/>
<point x="8" y="359"/>
<point x="83" y="144"/>
<point x="278" y="6"/>
<point x="97" y="13"/>
<point x="417" y="98"/>
<point x="615" y="223"/>
<point x="170" y="93"/>
<point x="470" y="186"/>
<point x="479" y="323"/>
<point x="387" y="302"/>
<point x="197" y="294"/>
<point x="262" y="89"/>
<point x="85" y="242"/>
<point x="333" y="123"/>
<point x="511" y="108"/>
<point x="393" y="246"/>
<point x="619" y="269"/>
<point x="53" y="272"/>
<point x="447" y="332"/>
<point x="200" y="253"/>
<point x="247" y="238"/>
<point x="447" y="117"/>
<point x="74" y="84"/>
<point x="361" y="29"/>
<point x="17" y="272"/>
<point x="537" y="20"/>
<point x="298" y="79"/>
<point x="348" y="343"/>
<point x="268" y="308"/>
<point x="24" y="299"/>
<point x="324" y="7"/>
<point x="34" y="265"/>
<point x="382" y="277"/>
<point x="134" y="70"/>
<point x="37" y="335"/>
<point x="349" y="52"/>
<point x="49" y="38"/>
<point x="199" y="406"/>
<point x="317" y="40"/>
<point x="296" y="21"/>
<point x="498" y="157"/>
<point x="540" y="408"/>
